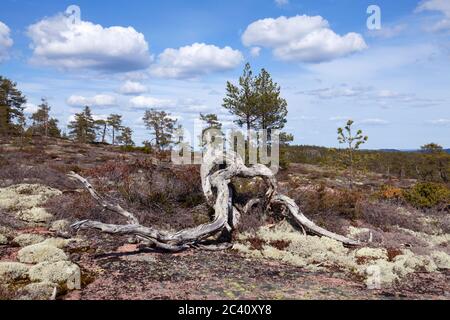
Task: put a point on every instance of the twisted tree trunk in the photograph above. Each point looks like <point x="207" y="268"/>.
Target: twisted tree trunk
<point x="216" y="174"/>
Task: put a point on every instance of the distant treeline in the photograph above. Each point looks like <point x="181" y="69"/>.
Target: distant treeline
<point x="424" y="166"/>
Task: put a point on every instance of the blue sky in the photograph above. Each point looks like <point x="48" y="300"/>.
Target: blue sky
<point x="126" y="56"/>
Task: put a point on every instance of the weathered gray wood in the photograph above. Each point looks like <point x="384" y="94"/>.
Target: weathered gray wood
<point x="216" y="188"/>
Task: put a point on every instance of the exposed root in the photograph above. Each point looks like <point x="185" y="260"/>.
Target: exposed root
<point x="216" y="174"/>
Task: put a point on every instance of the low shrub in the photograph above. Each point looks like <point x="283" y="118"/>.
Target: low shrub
<point x="428" y="195"/>
<point x="388" y="192"/>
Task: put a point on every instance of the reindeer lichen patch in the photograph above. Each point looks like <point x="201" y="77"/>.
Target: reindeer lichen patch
<point x="25" y="200"/>
<point x="317" y="253"/>
<point x="3" y="240"/>
<point x="41" y="252"/>
<point x="441" y="259"/>
<point x="64" y="273"/>
<point x="27" y="239"/>
<point x="13" y="271"/>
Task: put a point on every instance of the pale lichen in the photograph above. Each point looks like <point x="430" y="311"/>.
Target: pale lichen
<point x="316" y="253"/>
<point x="41" y="252"/>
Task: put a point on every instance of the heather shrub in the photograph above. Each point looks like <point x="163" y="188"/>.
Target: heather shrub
<point x="427" y="195"/>
<point x="388" y="192"/>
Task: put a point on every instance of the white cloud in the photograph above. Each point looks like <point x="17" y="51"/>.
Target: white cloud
<point x="255" y="51"/>
<point x="302" y="38"/>
<point x="133" y="88"/>
<point x="336" y="92"/>
<point x="339" y="118"/>
<point x="5" y="41"/>
<point x="441" y="122"/>
<point x="195" y="60"/>
<point x="85" y="45"/>
<point x="442" y="6"/>
<point x="281" y="2"/>
<point x="101" y="100"/>
<point x="144" y="102"/>
<point x="374" y="122"/>
<point x="388" y="31"/>
<point x="30" y="108"/>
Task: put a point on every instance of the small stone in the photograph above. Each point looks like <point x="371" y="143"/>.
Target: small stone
<point x="13" y="271"/>
<point x="41" y="252"/>
<point x="27" y="239"/>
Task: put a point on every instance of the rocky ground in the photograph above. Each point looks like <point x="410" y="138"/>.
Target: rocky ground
<point x="42" y="258"/>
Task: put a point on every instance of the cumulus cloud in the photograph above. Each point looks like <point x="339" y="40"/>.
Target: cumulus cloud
<point x="442" y="6"/>
<point x="302" y="38"/>
<point x="101" y="100"/>
<point x="195" y="60"/>
<point x="133" y="88"/>
<point x="60" y="43"/>
<point x="146" y="102"/>
<point x="5" y="41"/>
<point x="255" y="51"/>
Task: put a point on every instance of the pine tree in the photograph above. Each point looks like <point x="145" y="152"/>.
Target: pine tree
<point x="11" y="106"/>
<point x="212" y="122"/>
<point x="82" y="128"/>
<point x="102" y="127"/>
<point x="345" y="136"/>
<point x="272" y="108"/>
<point x="241" y="101"/>
<point x="43" y="124"/>
<point x="161" y="126"/>
<point x="126" y="137"/>
<point x="115" y="122"/>
<point x="256" y="102"/>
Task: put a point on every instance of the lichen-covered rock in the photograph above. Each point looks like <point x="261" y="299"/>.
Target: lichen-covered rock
<point x="26" y="200"/>
<point x="62" y="226"/>
<point x="372" y="253"/>
<point x="286" y="244"/>
<point x="27" y="239"/>
<point x="441" y="259"/>
<point x="64" y="273"/>
<point x="25" y="196"/>
<point x="3" y="240"/>
<point x="41" y="252"/>
<point x="7" y="232"/>
<point x="38" y="291"/>
<point x="57" y="242"/>
<point x="36" y="215"/>
<point x="13" y="271"/>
